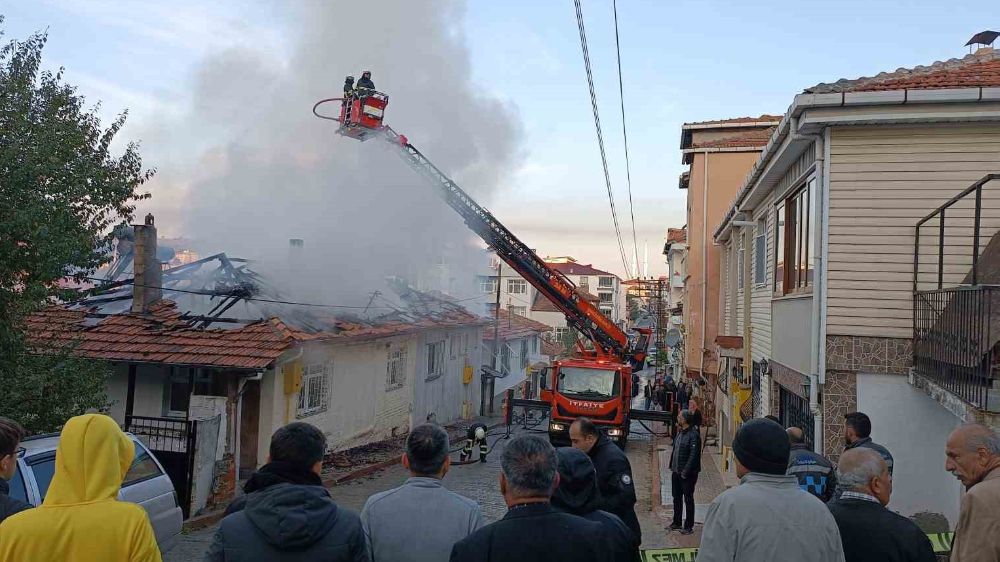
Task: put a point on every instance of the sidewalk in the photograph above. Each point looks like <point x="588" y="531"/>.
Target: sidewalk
<point x="711" y="483"/>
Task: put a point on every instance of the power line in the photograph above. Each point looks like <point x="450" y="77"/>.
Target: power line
<point x="628" y="172"/>
<point x="600" y="136"/>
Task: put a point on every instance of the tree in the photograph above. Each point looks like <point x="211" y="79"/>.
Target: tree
<point x="61" y="193"/>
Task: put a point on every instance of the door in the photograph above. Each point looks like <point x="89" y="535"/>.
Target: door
<point x="249" y="428"/>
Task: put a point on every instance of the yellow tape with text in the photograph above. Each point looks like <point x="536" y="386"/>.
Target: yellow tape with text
<point x="940" y="541"/>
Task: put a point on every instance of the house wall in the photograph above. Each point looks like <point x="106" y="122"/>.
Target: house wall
<point x="760" y="296"/>
<point x="914" y="430"/>
<point x="726" y="172"/>
<point x="882" y="181"/>
<point x="793" y="332"/>
<point x="149" y="391"/>
<point x="445" y="398"/>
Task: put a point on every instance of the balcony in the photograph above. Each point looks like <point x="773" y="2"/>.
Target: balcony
<point x="956" y="298"/>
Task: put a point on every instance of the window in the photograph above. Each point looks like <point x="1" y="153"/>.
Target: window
<point x="488" y="285"/>
<point x="606" y="298"/>
<point x="17" y="489"/>
<point x="494" y="262"/>
<point x="435" y="359"/>
<point x="314" y="395"/>
<point x="395" y="370"/>
<point x="518" y="310"/>
<point x="177" y="393"/>
<point x="517" y="286"/>
<point x="760" y="253"/>
<point x="534" y="345"/>
<point x="505" y="359"/>
<point x="584" y="282"/>
<point x="561" y="333"/>
<point x="524" y="353"/>
<point x="795" y="232"/>
<point x="739" y="262"/>
<point x="143" y="467"/>
<point x="606" y="282"/>
<point x="44" y="468"/>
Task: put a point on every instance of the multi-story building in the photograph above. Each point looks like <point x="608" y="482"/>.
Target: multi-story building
<point x="719" y="155"/>
<point x="676" y="251"/>
<point x="860" y="258"/>
<point x="606" y="286"/>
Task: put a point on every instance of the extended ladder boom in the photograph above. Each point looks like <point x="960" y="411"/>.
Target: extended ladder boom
<point x="608" y="338"/>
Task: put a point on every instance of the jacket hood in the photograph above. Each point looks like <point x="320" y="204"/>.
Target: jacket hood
<point x="91" y="461"/>
<point x="577" y="491"/>
<point x="291" y="516"/>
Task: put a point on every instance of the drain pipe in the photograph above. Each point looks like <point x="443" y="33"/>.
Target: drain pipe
<point x="704" y="270"/>
<point x="818" y="343"/>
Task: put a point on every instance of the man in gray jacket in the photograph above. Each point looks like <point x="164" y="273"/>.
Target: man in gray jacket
<point x="767" y="517"/>
<point x="421" y="520"/>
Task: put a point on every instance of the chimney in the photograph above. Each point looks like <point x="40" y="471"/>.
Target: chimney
<point x="146" y="268"/>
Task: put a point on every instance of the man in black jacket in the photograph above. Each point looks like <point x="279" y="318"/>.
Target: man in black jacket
<point x="532" y="529"/>
<point x="614" y="473"/>
<point x="685" y="464"/>
<point x="577" y="494"/>
<point x="11" y="434"/>
<point x="287" y="514"/>
<point x="869" y="531"/>
<point x="815" y="472"/>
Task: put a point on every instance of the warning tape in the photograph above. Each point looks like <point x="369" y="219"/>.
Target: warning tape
<point x="940" y="541"/>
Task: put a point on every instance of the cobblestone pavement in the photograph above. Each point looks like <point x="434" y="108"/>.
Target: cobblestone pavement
<point x="480" y="481"/>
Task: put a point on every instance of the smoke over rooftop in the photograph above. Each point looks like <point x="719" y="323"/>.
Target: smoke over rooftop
<point x="249" y="167"/>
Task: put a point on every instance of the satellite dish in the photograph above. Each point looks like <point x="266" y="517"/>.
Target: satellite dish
<point x="673" y="337"/>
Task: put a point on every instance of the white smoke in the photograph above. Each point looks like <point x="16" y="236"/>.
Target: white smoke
<point x="249" y="167"/>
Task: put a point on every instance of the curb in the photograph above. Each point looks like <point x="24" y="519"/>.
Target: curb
<point x="208" y="519"/>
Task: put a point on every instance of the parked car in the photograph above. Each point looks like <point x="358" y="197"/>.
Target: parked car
<point x="146" y="484"/>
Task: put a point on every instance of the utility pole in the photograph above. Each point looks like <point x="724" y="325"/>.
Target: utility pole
<point x="496" y="335"/>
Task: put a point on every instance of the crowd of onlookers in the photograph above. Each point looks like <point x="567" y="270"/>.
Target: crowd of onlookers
<point x="572" y="503"/>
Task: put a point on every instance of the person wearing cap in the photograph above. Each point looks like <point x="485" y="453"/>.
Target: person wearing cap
<point x="578" y="494"/>
<point x="767" y="517"/>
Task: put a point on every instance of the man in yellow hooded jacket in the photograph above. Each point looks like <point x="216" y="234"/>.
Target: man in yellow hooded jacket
<point x="81" y="519"/>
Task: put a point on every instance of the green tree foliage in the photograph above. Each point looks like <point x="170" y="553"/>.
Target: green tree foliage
<point x="61" y="192"/>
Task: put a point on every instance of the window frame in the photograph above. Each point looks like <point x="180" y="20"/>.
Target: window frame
<point x="760" y="253"/>
<point x="435" y="360"/>
<point x="601" y="282"/>
<point x="396" y="355"/>
<point x="512" y="309"/>
<point x="520" y="283"/>
<point x="488" y="285"/>
<point x="797" y="240"/>
<point x="311" y="373"/>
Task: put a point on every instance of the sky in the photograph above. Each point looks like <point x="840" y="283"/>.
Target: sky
<point x="682" y="61"/>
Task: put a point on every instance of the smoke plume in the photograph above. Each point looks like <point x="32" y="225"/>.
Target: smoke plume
<point x="249" y="167"/>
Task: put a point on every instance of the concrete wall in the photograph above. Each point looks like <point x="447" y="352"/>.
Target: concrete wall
<point x="726" y="172"/>
<point x="150" y="381"/>
<point x="791" y="331"/>
<point x="914" y="427"/>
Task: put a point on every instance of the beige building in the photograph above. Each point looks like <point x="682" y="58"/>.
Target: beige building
<point x="819" y="262"/>
<point x="719" y="155"/>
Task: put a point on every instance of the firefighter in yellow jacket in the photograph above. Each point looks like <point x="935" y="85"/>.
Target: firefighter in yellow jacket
<point x="81" y="519"/>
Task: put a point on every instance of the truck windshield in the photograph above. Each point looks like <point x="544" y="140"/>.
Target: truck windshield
<point x="595" y="384"/>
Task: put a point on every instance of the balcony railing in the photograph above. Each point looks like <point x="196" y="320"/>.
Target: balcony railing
<point x="956" y="296"/>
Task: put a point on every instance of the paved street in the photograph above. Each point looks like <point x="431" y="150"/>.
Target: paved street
<point x="479" y="481"/>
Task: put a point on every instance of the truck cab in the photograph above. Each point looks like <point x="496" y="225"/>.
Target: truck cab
<point x="597" y="389"/>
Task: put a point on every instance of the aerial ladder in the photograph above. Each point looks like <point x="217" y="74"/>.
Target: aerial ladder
<point x="596" y="382"/>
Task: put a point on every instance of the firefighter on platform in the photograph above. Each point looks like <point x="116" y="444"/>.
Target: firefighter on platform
<point x="365" y="84"/>
<point x="348" y="87"/>
<point x="475" y="435"/>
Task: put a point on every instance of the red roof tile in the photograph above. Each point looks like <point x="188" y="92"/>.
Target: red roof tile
<point x="739" y="120"/>
<point x="514" y="326"/>
<point x="552" y="349"/>
<point x="756" y="138"/>
<point x="981" y="69"/>
<point x="542" y="304"/>
<point x="729" y="342"/>
<point x="676" y="235"/>
<point x="573" y="268"/>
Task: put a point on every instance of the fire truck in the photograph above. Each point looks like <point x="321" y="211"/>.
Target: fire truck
<point x="597" y="382"/>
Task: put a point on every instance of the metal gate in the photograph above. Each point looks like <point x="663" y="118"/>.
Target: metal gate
<point x="173" y="443"/>
<point x="793" y="410"/>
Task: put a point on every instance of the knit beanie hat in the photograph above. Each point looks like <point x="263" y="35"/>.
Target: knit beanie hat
<point x="762" y="446"/>
<point x="577" y="492"/>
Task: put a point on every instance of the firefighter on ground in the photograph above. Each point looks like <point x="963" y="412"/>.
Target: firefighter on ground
<point x="475" y="435"/>
<point x="365" y="84"/>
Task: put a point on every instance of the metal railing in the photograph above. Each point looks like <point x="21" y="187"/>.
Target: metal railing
<point x="953" y="341"/>
<point x="163" y="434"/>
<point x="956" y="296"/>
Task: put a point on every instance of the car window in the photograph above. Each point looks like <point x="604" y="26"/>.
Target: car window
<point x="143" y="467"/>
<point x="43" y="471"/>
<point x="17" y="489"/>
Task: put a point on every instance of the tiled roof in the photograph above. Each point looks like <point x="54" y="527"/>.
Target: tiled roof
<point x="552" y="349"/>
<point x="729" y="342"/>
<point x="739" y="120"/>
<point x="542" y="304"/>
<point x="981" y="69"/>
<point x="749" y="138"/>
<point x="676" y="235"/>
<point x="514" y="326"/>
<point x="161" y="337"/>
<point x="573" y="268"/>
